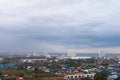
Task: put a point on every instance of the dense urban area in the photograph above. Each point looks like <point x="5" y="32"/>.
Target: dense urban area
<point x="43" y="66"/>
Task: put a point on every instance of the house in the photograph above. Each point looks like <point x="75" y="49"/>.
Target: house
<point x="19" y="78"/>
<point x="112" y="77"/>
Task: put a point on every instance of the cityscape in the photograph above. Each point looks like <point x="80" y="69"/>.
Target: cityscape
<point x="59" y="39"/>
<point x="60" y="66"/>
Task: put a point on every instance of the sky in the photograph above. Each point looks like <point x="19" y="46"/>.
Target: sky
<point x="58" y="25"/>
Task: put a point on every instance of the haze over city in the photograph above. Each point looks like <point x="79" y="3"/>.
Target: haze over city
<point x="58" y="25"/>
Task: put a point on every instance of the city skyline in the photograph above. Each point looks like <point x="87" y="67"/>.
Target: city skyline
<point x="58" y="25"/>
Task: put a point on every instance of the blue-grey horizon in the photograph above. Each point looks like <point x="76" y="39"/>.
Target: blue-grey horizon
<point x="58" y="25"/>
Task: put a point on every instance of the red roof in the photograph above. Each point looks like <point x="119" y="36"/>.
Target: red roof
<point x="19" y="78"/>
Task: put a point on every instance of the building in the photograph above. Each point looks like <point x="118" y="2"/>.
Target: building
<point x="78" y="76"/>
<point x="33" y="55"/>
<point x="19" y="78"/>
<point x="33" y="60"/>
<point x="1" y="59"/>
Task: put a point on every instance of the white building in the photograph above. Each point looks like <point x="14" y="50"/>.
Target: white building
<point x="33" y="54"/>
<point x="78" y="76"/>
<point x="33" y="60"/>
<point x="1" y="59"/>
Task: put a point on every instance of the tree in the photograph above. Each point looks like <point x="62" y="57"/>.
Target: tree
<point x="0" y="73"/>
<point x="100" y="76"/>
<point x="118" y="78"/>
<point x="36" y="70"/>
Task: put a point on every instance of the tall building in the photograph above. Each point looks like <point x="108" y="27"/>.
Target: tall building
<point x="101" y="53"/>
<point x="71" y="53"/>
<point x="116" y="57"/>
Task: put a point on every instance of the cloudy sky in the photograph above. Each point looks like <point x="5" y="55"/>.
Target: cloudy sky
<point x="57" y="25"/>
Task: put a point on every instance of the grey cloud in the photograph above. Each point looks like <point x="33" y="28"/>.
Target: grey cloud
<point x="56" y="25"/>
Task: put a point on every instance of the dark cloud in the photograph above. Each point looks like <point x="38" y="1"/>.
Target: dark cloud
<point x="55" y="26"/>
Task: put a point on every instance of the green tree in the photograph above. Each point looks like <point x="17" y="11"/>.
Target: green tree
<point x="0" y="73"/>
<point x="118" y="78"/>
<point x="36" y="70"/>
<point x="100" y="76"/>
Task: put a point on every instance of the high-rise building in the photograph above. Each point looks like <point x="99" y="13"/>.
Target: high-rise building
<point x="101" y="53"/>
<point x="71" y="53"/>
